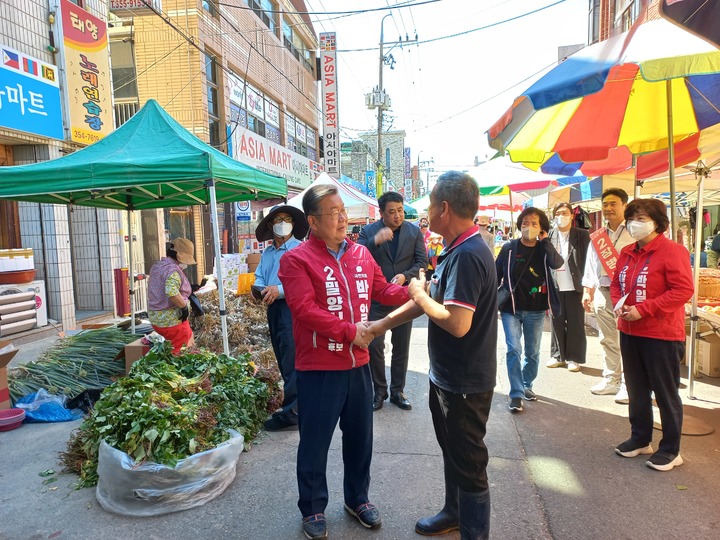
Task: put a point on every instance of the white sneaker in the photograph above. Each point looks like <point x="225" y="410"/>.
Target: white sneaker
<point x="606" y="387"/>
<point x="622" y="396"/>
<point x="553" y="363"/>
<point x="573" y="366"/>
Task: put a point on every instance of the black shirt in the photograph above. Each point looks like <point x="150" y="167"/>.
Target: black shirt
<point x="465" y="276"/>
<point x="531" y="291"/>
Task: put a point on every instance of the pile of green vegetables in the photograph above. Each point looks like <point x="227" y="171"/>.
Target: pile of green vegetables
<point x="73" y="364"/>
<point x="170" y="407"/>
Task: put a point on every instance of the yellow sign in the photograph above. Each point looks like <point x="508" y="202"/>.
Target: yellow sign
<point x="87" y="71"/>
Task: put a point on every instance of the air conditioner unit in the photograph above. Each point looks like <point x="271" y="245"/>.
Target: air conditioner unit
<point x="23" y="306"/>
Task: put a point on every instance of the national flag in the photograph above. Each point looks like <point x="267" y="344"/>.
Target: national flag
<point x="30" y="66"/>
<point x="10" y="59"/>
<point x="48" y="73"/>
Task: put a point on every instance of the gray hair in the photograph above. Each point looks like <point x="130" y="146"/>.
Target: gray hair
<point x="459" y="190"/>
<point x="313" y="196"/>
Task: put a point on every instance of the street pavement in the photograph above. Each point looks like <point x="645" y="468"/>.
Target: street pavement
<point x="552" y="469"/>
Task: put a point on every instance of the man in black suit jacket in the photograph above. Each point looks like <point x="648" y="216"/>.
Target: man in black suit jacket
<point x="568" y="345"/>
<point x="399" y="249"/>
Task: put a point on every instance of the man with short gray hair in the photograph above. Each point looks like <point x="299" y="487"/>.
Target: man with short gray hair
<point x="460" y="299"/>
<point x="329" y="282"/>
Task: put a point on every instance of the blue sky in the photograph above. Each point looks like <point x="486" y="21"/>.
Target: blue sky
<point x="446" y="93"/>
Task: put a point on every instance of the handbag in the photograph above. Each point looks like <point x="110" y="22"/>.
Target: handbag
<point x="503" y="295"/>
<point x="196" y="306"/>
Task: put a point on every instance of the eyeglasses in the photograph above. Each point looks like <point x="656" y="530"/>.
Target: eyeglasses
<point x="281" y="219"/>
<point x="335" y="214"/>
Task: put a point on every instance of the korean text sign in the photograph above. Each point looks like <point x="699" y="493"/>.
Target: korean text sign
<point x="88" y="74"/>
<point x="29" y="95"/>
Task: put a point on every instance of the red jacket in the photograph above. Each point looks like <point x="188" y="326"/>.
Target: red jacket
<point x="659" y="280"/>
<point x="327" y="297"/>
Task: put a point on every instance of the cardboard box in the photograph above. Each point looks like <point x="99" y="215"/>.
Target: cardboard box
<point x="4" y="361"/>
<point x="253" y="258"/>
<point x="708" y="361"/>
<point x="133" y="352"/>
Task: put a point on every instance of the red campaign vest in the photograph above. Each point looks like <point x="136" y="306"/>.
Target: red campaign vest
<point x="605" y="250"/>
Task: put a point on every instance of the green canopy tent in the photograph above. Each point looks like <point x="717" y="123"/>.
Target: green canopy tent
<point x="149" y="162"/>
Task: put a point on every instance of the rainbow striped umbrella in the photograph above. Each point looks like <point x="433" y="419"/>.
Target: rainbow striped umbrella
<point x="617" y="99"/>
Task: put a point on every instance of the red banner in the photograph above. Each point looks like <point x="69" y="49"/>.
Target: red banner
<point x="605" y="249"/>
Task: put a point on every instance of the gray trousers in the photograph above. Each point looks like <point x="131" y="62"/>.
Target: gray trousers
<point x="609" y="335"/>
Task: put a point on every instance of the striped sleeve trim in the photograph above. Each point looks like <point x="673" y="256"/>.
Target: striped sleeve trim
<point x="459" y="304"/>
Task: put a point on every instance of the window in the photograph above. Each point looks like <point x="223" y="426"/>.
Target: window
<point x="123" y="70"/>
<point x="256" y="125"/>
<point x="294" y="43"/>
<point x="213" y="100"/>
<point x="264" y="10"/>
<point x="594" y="20"/>
<point x="626" y="13"/>
<point x="210" y="7"/>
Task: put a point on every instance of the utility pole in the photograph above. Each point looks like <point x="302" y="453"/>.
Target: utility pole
<point x="381" y="100"/>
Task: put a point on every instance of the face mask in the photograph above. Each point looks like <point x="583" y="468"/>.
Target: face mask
<point x="640" y="229"/>
<point x="282" y="229"/>
<point x="182" y="266"/>
<point x="562" y="221"/>
<point x="530" y="233"/>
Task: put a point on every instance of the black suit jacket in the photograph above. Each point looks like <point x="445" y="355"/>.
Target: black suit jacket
<point x="411" y="254"/>
<point x="579" y="240"/>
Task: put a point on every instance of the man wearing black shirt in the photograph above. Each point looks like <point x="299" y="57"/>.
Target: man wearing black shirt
<point x="459" y="299"/>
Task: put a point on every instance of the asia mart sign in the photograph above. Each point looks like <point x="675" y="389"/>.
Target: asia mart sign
<point x="251" y="149"/>
<point x="87" y="73"/>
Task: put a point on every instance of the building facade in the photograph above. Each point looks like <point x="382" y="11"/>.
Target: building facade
<point x="240" y="75"/>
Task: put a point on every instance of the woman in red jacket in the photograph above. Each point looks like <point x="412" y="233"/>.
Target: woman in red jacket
<point x="649" y="290"/>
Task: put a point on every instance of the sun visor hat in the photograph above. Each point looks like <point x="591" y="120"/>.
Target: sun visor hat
<point x="185" y="250"/>
<point x="300" y="224"/>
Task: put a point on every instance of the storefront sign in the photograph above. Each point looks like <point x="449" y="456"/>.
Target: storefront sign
<point x="29" y="95"/>
<point x="243" y="211"/>
<point x="87" y="71"/>
<point x="328" y="80"/>
<point x="236" y="90"/>
<point x="272" y="113"/>
<point x="255" y="102"/>
<point x="134" y="8"/>
<point x="300" y="133"/>
<point x="311" y="134"/>
<point x="252" y="149"/>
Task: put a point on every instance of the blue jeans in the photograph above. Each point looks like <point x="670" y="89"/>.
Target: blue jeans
<point x="530" y="323"/>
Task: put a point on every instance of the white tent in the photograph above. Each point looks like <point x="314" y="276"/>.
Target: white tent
<point x="359" y="205"/>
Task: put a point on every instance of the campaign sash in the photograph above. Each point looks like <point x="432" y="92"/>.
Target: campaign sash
<point x="605" y="249"/>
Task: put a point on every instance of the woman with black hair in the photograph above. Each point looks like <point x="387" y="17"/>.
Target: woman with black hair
<point x="523" y="268"/>
<point x="649" y="290"/>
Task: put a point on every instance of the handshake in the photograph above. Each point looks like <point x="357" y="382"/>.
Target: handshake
<point x="366" y="332"/>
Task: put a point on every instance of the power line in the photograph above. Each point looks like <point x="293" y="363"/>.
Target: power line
<point x="409" y="3"/>
<point x="472" y="30"/>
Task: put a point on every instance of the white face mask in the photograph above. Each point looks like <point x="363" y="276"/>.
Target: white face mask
<point x="182" y="266"/>
<point x="530" y="233"/>
<point x="640" y="229"/>
<point x="282" y="229"/>
<point x="562" y="221"/>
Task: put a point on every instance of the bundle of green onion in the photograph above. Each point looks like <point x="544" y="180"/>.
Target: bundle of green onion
<point x="74" y="364"/>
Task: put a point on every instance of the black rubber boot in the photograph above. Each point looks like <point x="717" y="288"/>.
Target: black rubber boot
<point x="444" y="521"/>
<point x="474" y="515"/>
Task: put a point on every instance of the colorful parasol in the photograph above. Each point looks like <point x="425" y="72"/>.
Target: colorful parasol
<point x="615" y="100"/>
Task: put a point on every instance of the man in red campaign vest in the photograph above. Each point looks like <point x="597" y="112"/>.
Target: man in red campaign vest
<point x="605" y="245"/>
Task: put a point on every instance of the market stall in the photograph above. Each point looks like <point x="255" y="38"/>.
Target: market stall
<point x="151" y="161"/>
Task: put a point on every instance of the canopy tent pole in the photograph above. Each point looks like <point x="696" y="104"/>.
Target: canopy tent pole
<point x="671" y="161"/>
<point x="218" y="263"/>
<point x="701" y="172"/>
<point x="636" y="184"/>
<point x="131" y="271"/>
